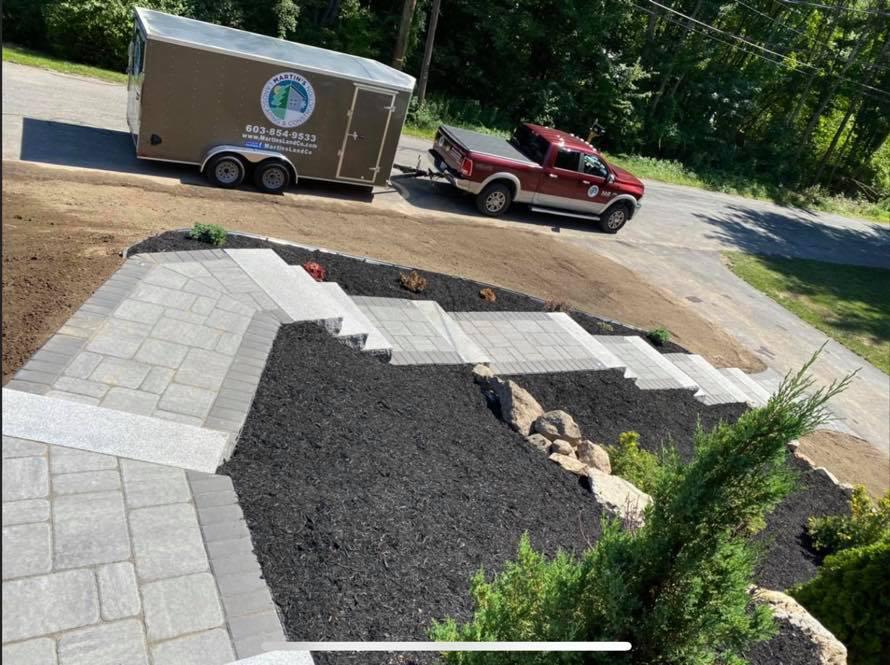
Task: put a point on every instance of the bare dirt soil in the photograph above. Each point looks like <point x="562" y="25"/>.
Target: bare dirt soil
<point x="61" y="211"/>
<point x="851" y="459"/>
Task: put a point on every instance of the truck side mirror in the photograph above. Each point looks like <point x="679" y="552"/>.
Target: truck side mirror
<point x="610" y="178"/>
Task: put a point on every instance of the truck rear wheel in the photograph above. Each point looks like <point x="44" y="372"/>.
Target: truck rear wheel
<point x="271" y="177"/>
<point x="495" y="199"/>
<point x="226" y="171"/>
<point x="614" y="218"/>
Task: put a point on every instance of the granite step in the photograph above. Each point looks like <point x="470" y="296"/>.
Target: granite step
<point x="355" y="324"/>
<point x="756" y="395"/>
<point x="652" y="370"/>
<point x="111" y="432"/>
<point x="714" y="387"/>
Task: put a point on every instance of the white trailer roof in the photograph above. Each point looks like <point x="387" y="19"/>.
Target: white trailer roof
<point x="210" y="37"/>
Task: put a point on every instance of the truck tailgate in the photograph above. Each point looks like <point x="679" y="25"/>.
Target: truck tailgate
<point x="483" y="144"/>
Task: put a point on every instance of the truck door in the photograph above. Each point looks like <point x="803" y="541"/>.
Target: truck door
<point x="135" y="70"/>
<point x="564" y="185"/>
<point x="365" y="132"/>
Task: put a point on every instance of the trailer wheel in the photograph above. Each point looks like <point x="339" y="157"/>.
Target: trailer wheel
<point x="271" y="177"/>
<point x="495" y="199"/>
<point x="226" y="171"/>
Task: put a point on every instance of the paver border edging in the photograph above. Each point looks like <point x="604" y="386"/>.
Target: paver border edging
<point x="367" y="259"/>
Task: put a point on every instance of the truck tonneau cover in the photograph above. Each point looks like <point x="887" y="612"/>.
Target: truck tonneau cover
<point x="485" y="144"/>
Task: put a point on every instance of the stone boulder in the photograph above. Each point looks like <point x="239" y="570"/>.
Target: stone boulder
<point x="561" y="447"/>
<point x="789" y="612"/>
<point x="518" y="408"/>
<point x="483" y="374"/>
<point x="594" y="456"/>
<point x="540" y="442"/>
<point x="558" y="425"/>
<point x="618" y="498"/>
<point x="569" y="464"/>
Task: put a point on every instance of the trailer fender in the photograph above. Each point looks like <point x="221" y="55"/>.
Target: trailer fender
<point x="252" y="155"/>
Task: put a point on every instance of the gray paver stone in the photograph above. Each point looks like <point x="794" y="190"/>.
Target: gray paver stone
<point x="192" y="334"/>
<point x="118" y="643"/>
<point x="187" y="400"/>
<point x="44" y="604"/>
<point x="70" y="460"/>
<point x="41" y="651"/>
<point x="243" y="604"/>
<point x="86" y="481"/>
<point x="120" y="372"/>
<point x="181" y="605"/>
<point x="118" y="591"/>
<point x="13" y="447"/>
<point x="81" y="386"/>
<point x="157" y="380"/>
<point x="131" y="401"/>
<point x="89" y="529"/>
<point x="167" y="541"/>
<point x="264" y="623"/>
<point x="229" y="513"/>
<point x="153" y="484"/>
<point x="136" y="310"/>
<point x="26" y="550"/>
<point x="159" y="352"/>
<point x="24" y="512"/>
<point x="203" y="369"/>
<point x="25" y="478"/>
<point x="211" y="647"/>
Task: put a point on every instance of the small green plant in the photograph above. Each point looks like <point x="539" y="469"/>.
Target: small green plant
<point x="850" y="596"/>
<point x="212" y="234"/>
<point x="634" y="464"/>
<point x="557" y="306"/>
<point x="603" y="326"/>
<point x="659" y="336"/>
<point x="866" y="524"/>
<point x="413" y="281"/>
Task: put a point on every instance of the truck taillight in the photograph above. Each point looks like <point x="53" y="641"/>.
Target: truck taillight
<point x="466" y="167"/>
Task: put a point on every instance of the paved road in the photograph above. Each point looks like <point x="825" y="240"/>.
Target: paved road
<point x="675" y="239"/>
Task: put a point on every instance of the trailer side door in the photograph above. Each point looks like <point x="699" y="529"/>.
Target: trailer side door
<point x="365" y="134"/>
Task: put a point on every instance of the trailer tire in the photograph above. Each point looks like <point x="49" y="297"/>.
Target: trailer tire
<point x="613" y="219"/>
<point x="271" y="177"/>
<point x="495" y="199"/>
<point x="226" y="171"/>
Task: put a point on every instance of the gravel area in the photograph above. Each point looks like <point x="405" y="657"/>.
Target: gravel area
<point x="362" y="278"/>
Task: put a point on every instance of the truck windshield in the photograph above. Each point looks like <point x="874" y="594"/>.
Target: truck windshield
<point x="529" y="144"/>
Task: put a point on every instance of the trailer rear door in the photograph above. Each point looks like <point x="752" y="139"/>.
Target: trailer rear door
<point x="365" y="134"/>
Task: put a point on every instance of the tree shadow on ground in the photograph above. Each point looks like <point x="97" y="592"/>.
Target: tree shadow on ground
<point x="795" y="233"/>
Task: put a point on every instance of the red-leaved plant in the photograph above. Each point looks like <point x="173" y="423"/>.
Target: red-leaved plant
<point x="316" y="270"/>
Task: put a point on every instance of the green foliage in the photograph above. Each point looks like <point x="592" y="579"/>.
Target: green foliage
<point x="850" y="596"/>
<point x="659" y="336"/>
<point x="866" y="524"/>
<point x="676" y="588"/>
<point x="97" y="31"/>
<point x="212" y="234"/>
<point x="634" y="464"/>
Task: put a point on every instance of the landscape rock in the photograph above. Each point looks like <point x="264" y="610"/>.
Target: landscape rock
<point x="618" y="498"/>
<point x="594" y="456"/>
<point x="569" y="464"/>
<point x="518" y="408"/>
<point x="483" y="374"/>
<point x="558" y="425"/>
<point x="561" y="447"/>
<point x="540" y="442"/>
<point x="788" y="611"/>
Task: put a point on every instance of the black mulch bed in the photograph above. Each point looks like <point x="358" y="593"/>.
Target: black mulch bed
<point x="361" y="278"/>
<point x="374" y="492"/>
<point x="604" y="405"/>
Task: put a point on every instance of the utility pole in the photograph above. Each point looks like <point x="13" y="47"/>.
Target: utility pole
<point x="398" y="56"/>
<point x="428" y="51"/>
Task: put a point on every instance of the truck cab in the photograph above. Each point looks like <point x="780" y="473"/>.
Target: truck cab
<point x="552" y="171"/>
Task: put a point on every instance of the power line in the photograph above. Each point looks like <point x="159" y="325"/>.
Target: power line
<point x="764" y="49"/>
<point x="782" y="62"/>
<point x="836" y="8"/>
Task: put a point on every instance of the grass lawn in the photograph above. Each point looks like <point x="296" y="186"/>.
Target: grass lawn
<point x="23" y="56"/>
<point x="850" y="304"/>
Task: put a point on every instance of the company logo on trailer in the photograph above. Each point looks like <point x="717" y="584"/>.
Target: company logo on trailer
<point x="287" y="99"/>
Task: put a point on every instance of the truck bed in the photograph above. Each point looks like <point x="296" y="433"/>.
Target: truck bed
<point x="485" y="144"/>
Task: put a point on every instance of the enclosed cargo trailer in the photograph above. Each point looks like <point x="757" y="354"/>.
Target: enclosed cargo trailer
<point x="238" y="104"/>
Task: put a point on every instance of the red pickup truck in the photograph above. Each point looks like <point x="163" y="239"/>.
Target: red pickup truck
<point x="551" y="170"/>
